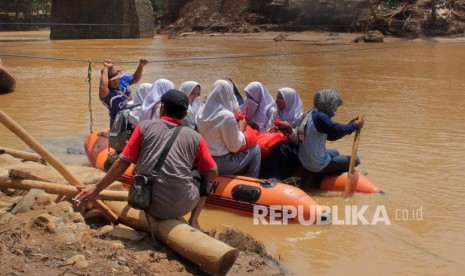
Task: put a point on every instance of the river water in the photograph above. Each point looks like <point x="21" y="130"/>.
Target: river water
<point x="412" y="145"/>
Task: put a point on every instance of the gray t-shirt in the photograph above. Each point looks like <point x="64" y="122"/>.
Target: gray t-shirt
<point x="175" y="194"/>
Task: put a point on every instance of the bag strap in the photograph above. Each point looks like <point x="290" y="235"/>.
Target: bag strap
<point x="302" y="125"/>
<point x="166" y="149"/>
<point x="157" y="167"/>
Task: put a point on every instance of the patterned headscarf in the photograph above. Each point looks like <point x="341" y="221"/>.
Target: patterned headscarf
<point x="327" y="101"/>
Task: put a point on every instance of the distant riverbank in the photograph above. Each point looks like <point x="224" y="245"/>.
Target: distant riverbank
<point x="305" y="36"/>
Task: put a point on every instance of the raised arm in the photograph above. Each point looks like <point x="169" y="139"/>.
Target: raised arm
<point x="138" y="74"/>
<point x="103" y="87"/>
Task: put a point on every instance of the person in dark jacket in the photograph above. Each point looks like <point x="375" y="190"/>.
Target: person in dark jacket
<point x="316" y="128"/>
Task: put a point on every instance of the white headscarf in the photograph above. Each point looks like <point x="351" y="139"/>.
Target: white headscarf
<point x="220" y="104"/>
<point x="159" y="88"/>
<point x="259" y="106"/>
<point x="293" y="110"/>
<point x="141" y="93"/>
<point x="137" y="99"/>
<point x="187" y="88"/>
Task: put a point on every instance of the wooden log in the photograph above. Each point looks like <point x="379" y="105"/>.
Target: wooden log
<point x="51" y="159"/>
<point x="22" y="155"/>
<point x="36" y="171"/>
<point x="213" y="256"/>
<point x="37" y="147"/>
<point x="57" y="189"/>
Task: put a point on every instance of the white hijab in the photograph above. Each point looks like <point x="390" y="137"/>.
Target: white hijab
<point x="140" y="94"/>
<point x="137" y="99"/>
<point x="293" y="110"/>
<point x="219" y="105"/>
<point x="187" y="88"/>
<point x="259" y="106"/>
<point x="159" y="88"/>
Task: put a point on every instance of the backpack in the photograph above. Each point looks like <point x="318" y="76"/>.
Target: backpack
<point x="120" y="131"/>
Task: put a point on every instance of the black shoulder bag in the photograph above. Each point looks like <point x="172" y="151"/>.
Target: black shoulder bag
<point x="139" y="192"/>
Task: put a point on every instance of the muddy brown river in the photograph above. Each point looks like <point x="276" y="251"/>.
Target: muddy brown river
<point x="412" y="146"/>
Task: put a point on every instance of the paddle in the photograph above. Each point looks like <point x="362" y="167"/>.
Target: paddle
<point x="353" y="156"/>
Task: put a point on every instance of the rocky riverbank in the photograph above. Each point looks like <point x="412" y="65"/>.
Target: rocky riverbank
<point x="41" y="234"/>
<point x="398" y="18"/>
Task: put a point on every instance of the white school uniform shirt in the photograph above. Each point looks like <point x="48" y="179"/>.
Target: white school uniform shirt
<point x="216" y="122"/>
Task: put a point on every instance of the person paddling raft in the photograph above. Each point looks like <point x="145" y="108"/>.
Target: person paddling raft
<point x="315" y="129"/>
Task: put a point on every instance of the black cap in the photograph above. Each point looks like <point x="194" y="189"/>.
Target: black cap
<point x="175" y="100"/>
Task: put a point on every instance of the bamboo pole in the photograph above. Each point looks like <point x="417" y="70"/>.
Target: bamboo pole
<point x="52" y="160"/>
<point x="58" y="189"/>
<point x="353" y="156"/>
<point x="22" y="155"/>
<point x="213" y="256"/>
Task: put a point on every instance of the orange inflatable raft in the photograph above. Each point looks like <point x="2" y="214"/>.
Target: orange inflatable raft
<point x="239" y="193"/>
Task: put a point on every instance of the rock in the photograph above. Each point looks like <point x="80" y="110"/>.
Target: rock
<point x="373" y="36"/>
<point x="68" y="238"/>
<point x="126" y="234"/>
<point x="117" y="245"/>
<point x="45" y="221"/>
<point x="43" y="200"/>
<point x="239" y="240"/>
<point x="4" y="204"/>
<point x="27" y="201"/>
<point x="105" y="229"/>
<point x="280" y="37"/>
<point x="60" y="209"/>
<point x="5" y="218"/>
<point x="79" y="261"/>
